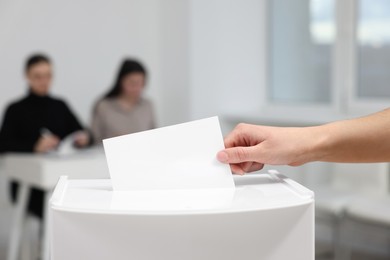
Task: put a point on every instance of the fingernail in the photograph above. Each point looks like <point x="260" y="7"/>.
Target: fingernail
<point x="223" y="157"/>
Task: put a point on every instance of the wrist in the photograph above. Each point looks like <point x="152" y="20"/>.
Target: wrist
<point x="321" y="143"/>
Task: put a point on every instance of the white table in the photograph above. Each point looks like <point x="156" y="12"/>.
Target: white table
<point x="43" y="171"/>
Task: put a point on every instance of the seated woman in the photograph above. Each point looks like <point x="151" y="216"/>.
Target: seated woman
<point x="38" y="122"/>
<point x="123" y="110"/>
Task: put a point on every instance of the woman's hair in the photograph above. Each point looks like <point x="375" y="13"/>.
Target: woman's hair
<point x="35" y="59"/>
<point x="128" y="66"/>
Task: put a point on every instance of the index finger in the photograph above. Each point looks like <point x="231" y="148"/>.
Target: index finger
<point x="231" y="140"/>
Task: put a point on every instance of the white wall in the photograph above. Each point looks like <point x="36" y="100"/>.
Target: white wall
<point x="204" y="56"/>
<point x="227" y="65"/>
<point x="175" y="92"/>
<point x="87" y="41"/>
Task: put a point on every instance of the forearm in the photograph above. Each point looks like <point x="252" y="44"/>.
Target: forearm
<point x="365" y="139"/>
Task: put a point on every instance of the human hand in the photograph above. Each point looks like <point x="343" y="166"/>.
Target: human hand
<point x="46" y="143"/>
<point x="81" y="139"/>
<point x="249" y="147"/>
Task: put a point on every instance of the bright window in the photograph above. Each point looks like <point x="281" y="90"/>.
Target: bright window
<point x="373" y="36"/>
<point x="301" y="42"/>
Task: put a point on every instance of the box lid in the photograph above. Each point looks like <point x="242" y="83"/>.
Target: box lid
<point x="260" y="191"/>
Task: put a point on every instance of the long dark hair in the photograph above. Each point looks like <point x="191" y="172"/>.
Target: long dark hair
<point x="128" y="66"/>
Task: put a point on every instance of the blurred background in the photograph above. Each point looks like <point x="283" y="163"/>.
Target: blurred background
<point x="276" y="62"/>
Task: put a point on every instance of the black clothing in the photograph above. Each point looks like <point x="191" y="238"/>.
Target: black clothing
<point x="23" y="124"/>
<point x="24" y="120"/>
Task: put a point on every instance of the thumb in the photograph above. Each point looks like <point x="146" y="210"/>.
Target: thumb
<point x="237" y="155"/>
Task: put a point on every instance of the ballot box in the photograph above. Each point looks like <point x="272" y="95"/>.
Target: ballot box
<point x="266" y="216"/>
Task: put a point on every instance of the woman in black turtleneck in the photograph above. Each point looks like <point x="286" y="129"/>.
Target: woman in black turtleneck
<point x="38" y="122"/>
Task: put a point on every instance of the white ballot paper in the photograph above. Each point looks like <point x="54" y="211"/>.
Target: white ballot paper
<point x="178" y="157"/>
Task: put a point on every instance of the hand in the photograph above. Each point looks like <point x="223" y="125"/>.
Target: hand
<point x="249" y="147"/>
<point x="46" y="143"/>
<point x="81" y="139"/>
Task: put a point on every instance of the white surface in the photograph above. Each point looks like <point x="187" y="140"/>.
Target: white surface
<point x="253" y="192"/>
<point x="43" y="171"/>
<point x="362" y="178"/>
<point x="270" y="217"/>
<point x="331" y="202"/>
<point x="172" y="200"/>
<point x="374" y="210"/>
<point x="181" y="157"/>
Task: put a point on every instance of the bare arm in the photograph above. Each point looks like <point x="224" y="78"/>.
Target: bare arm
<point x="366" y="139"/>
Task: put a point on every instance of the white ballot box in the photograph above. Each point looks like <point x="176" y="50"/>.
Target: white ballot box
<point x="267" y="216"/>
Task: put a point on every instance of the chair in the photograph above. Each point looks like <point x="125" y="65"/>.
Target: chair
<point x="3" y="186"/>
<point x="347" y="183"/>
<point x="365" y="227"/>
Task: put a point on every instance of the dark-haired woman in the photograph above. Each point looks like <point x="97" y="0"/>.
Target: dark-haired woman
<point x="123" y="110"/>
<point x="38" y="122"/>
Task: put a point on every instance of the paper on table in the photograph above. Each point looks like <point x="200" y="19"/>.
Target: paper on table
<point x="66" y="146"/>
<point x="175" y="157"/>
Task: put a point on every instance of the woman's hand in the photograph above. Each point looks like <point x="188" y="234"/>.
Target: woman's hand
<point x="46" y="143"/>
<point x="81" y="139"/>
